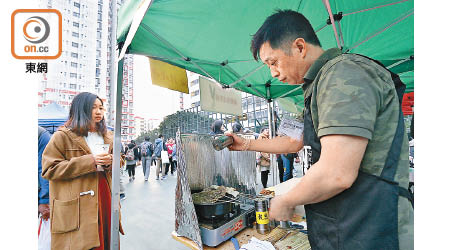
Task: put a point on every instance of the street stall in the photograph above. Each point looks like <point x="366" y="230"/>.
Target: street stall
<point x="216" y="197"/>
<point x="212" y="38"/>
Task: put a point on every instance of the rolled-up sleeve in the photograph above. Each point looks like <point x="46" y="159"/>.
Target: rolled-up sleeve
<point x="347" y="101"/>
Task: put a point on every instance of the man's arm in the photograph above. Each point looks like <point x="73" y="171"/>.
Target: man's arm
<point x="335" y="172"/>
<point x="276" y="145"/>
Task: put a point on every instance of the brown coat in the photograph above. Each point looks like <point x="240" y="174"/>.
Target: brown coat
<point x="263" y="157"/>
<point x="68" y="164"/>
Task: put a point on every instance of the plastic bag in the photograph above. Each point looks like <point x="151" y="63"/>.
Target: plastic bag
<point x="165" y="157"/>
<point x="44" y="235"/>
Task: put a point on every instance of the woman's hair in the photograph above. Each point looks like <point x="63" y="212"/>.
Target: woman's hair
<point x="216" y="127"/>
<point x="80" y="114"/>
<point x="237" y="127"/>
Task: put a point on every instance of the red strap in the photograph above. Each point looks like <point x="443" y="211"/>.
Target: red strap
<point x="40" y="224"/>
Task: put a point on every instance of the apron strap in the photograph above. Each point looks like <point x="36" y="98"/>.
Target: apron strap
<point x="407" y="194"/>
<point x="390" y="167"/>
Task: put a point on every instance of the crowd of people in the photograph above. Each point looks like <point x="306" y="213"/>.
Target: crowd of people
<point x="161" y="154"/>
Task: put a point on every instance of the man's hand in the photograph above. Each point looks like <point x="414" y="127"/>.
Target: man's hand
<point x="44" y="209"/>
<point x="238" y="144"/>
<point x="280" y="210"/>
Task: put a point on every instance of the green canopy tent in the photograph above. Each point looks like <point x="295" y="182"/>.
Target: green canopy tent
<point x="212" y="38"/>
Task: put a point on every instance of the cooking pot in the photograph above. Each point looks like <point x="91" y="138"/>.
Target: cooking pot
<point x="216" y="209"/>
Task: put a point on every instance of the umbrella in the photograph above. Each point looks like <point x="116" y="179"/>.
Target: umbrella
<point x="212" y="37"/>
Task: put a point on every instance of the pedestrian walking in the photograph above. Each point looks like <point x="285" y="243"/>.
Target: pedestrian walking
<point x="174" y="157"/>
<point x="132" y="157"/>
<point x="288" y="164"/>
<point x="146" y="155"/>
<point x="159" y="146"/>
<point x="170" y="144"/>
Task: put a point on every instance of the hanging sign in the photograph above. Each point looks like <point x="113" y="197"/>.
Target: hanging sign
<point x="169" y="76"/>
<point x="216" y="99"/>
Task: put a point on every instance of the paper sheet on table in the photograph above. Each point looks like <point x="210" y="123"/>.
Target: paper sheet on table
<point x="255" y="244"/>
<point x="284" y="187"/>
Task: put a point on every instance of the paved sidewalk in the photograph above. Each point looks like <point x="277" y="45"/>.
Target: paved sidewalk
<point x="148" y="213"/>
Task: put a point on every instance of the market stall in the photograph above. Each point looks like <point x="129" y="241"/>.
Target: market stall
<point x="212" y="38"/>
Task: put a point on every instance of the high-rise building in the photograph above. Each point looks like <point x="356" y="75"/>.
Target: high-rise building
<point x="128" y="118"/>
<point x="140" y="125"/>
<point x="85" y="62"/>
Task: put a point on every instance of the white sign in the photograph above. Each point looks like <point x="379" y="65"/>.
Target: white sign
<point x="214" y="98"/>
<point x="291" y="128"/>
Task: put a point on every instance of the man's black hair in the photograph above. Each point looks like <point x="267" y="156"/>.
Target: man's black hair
<point x="160" y="136"/>
<point x="281" y="29"/>
<point x="147" y="138"/>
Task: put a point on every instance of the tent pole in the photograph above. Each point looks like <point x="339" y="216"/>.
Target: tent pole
<point x="254" y="112"/>
<point x="246" y="75"/>
<point x="327" y="5"/>
<point x="249" y="85"/>
<point x="116" y="160"/>
<point x="290" y="91"/>
<point x="272" y="135"/>
<point x="411" y="12"/>
<point x="116" y="80"/>
<point x="271" y="132"/>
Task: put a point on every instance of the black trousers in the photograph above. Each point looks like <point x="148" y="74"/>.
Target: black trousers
<point x="264" y="177"/>
<point x="174" y="165"/>
<point x="165" y="168"/>
<point x="131" y="170"/>
<point x="280" y="168"/>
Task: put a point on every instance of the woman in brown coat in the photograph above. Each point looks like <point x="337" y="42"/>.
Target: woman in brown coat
<point x="79" y="174"/>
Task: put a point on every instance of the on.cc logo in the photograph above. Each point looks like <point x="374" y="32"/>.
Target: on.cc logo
<point x="36" y="29"/>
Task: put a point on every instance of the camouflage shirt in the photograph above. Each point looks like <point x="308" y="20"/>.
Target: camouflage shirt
<point x="352" y="95"/>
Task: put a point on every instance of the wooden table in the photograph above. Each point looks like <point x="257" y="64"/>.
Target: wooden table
<point x="243" y="237"/>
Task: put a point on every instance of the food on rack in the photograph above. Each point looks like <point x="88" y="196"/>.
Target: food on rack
<point x="267" y="192"/>
<point x="213" y="194"/>
<point x="296" y="240"/>
<point x="275" y="235"/>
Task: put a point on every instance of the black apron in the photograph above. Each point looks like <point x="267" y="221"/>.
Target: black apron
<point x="365" y="216"/>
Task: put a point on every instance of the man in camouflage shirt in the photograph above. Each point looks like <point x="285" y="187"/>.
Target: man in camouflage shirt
<point x="356" y="129"/>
